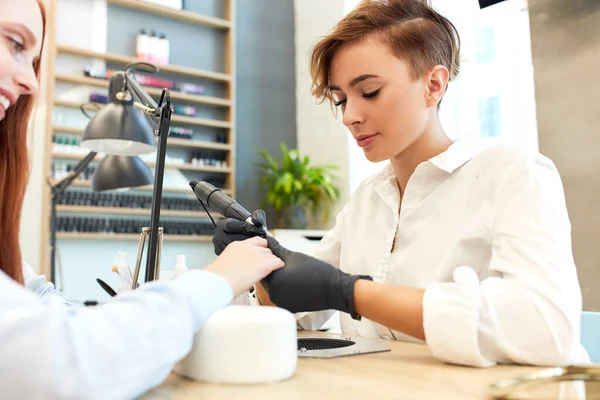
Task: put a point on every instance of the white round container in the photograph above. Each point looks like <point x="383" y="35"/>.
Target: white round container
<point x="243" y="344"/>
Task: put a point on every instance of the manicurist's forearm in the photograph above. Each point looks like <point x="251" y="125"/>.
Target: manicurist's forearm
<point x="396" y="307"/>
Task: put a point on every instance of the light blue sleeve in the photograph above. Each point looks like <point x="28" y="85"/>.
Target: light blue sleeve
<point x="117" y="350"/>
<point x="44" y="290"/>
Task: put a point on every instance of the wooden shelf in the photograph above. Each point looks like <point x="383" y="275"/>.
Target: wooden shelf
<point x="128" y="211"/>
<point x="180" y="119"/>
<point x="192" y="144"/>
<point x="67" y="129"/>
<point x="195" y="144"/>
<point x="190" y="167"/>
<point x="190" y="98"/>
<point x="179" y="15"/>
<point x="185" y="167"/>
<point x="130" y="236"/>
<point x="149" y="188"/>
<point x="123" y="59"/>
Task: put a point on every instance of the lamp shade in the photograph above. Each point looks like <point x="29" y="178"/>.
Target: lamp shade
<point x="120" y="172"/>
<point x="119" y="129"/>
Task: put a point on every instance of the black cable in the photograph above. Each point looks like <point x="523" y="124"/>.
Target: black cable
<point x="82" y="108"/>
<point x="142" y="66"/>
<point x="206" y="209"/>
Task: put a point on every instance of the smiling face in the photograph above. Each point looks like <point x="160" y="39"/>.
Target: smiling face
<point x="21" y="33"/>
<point x="383" y="106"/>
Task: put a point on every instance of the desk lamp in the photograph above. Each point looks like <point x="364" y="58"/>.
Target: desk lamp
<point x="113" y="172"/>
<point x="127" y="126"/>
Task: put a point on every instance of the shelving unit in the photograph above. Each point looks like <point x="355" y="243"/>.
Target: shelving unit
<point x="87" y="184"/>
<point x="178" y="119"/>
<point x="223" y="124"/>
<point x="183" y="167"/>
<point x="181" y="15"/>
<point x="103" y="83"/>
<point x="175" y="142"/>
<point x="129" y="236"/>
<point x="127" y="211"/>
<point x="124" y="60"/>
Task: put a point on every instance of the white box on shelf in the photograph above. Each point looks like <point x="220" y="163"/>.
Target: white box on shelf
<point x="176" y="4"/>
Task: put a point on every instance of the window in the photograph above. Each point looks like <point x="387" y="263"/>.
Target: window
<point x="489" y="117"/>
<point x="494" y="96"/>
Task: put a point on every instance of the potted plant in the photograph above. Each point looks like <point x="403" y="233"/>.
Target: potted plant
<point x="294" y="185"/>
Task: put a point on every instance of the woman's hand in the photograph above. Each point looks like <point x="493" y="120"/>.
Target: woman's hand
<point x="309" y="284"/>
<point x="229" y="230"/>
<point x="244" y="263"/>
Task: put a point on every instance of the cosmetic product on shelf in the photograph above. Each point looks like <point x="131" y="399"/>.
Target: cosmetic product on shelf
<point x="163" y="49"/>
<point x="126" y="200"/>
<point x="153" y="54"/>
<point x="82" y="224"/>
<point x="57" y="144"/>
<point x="184" y="110"/>
<point x="61" y="168"/>
<point x="221" y="138"/>
<point x="152" y="81"/>
<point x="207" y="160"/>
<point x="181" y="132"/>
<point x="98" y="98"/>
<point x="67" y="145"/>
<point x="142" y="45"/>
<point x="95" y="73"/>
<point x="190" y="88"/>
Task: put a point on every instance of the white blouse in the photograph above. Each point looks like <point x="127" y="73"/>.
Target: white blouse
<point x="49" y="350"/>
<point x="44" y="290"/>
<point x="485" y="230"/>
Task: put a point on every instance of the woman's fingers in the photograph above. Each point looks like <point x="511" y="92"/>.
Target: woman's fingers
<point x="256" y="241"/>
<point x="274" y="262"/>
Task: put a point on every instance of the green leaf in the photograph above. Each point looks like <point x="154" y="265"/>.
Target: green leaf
<point x="297" y="182"/>
<point x="271" y="162"/>
<point x="287" y="182"/>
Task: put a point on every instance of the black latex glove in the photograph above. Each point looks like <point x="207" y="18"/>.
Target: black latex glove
<point x="231" y="230"/>
<point x="308" y="284"/>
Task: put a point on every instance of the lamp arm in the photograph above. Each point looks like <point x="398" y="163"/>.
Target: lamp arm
<point x="64" y="183"/>
<point x="138" y="92"/>
<point x="163" y="132"/>
<point x="143" y="101"/>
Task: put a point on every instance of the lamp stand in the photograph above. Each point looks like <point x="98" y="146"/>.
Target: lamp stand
<point x="138" y="261"/>
<point x="162" y="113"/>
<point x="161" y="152"/>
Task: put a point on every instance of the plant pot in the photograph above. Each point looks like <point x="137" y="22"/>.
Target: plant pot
<point x="292" y="217"/>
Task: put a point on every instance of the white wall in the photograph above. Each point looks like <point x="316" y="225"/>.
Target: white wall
<point x="320" y="135"/>
<point x="81" y="24"/>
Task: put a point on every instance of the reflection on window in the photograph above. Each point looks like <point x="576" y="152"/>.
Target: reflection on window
<point x="489" y="117"/>
<point x="485" y="45"/>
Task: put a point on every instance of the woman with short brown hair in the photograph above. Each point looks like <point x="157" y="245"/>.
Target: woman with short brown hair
<point x="463" y="245"/>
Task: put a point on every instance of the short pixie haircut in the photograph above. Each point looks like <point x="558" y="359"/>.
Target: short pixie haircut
<point x="412" y="29"/>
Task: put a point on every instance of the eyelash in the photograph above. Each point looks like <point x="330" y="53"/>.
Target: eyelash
<point x="19" y="47"/>
<point x="365" y="95"/>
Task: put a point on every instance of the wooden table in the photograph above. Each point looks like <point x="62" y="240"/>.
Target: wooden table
<point x="408" y="371"/>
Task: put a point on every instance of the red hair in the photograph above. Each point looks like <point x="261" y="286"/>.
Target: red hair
<point x="14" y="174"/>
